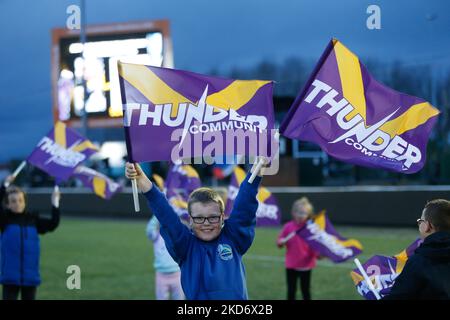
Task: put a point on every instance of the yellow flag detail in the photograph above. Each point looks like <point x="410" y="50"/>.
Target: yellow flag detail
<point x="60" y="134"/>
<point x="351" y="79"/>
<point x="415" y="116"/>
<point x="99" y="186"/>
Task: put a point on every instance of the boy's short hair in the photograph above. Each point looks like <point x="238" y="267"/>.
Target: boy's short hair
<point x="11" y="190"/>
<point x="205" y="195"/>
<point x="437" y="212"/>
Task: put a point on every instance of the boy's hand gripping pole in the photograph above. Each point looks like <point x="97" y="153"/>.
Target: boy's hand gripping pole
<point x="16" y="172"/>
<point x="135" y="194"/>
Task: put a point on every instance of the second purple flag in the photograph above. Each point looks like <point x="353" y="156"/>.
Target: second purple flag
<point x="356" y="119"/>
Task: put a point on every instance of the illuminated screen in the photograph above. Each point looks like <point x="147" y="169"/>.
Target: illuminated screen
<point x="98" y="60"/>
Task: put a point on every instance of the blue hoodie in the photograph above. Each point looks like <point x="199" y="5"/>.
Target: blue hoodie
<point x="210" y="270"/>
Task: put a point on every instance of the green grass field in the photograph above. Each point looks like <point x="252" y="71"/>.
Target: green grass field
<point x="116" y="258"/>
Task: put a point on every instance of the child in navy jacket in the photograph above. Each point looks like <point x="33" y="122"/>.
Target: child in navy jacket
<point x="20" y="248"/>
<point x="210" y="252"/>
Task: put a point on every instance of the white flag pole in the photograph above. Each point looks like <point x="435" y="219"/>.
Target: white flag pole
<point x="256" y="170"/>
<point x="135" y="195"/>
<point x="289" y="236"/>
<point x="56" y="190"/>
<point x="16" y="172"/>
<point x="366" y="277"/>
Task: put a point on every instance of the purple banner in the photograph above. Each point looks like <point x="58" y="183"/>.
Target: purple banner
<point x="321" y="236"/>
<point x="182" y="179"/>
<point x="268" y="213"/>
<point x="382" y="271"/>
<point x="61" y="151"/>
<point x="102" y="185"/>
<point x="173" y="114"/>
<point x="356" y="119"/>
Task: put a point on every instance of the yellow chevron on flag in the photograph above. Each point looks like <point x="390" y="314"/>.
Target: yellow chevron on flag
<point x="159" y="181"/>
<point x="351" y="79"/>
<point x="179" y="203"/>
<point x="415" y="116"/>
<point x="190" y="171"/>
<point x="320" y="220"/>
<point x="151" y="86"/>
<point x="86" y="144"/>
<point x="235" y="95"/>
<point x="99" y="186"/>
<point x="60" y="134"/>
<point x="354" y="92"/>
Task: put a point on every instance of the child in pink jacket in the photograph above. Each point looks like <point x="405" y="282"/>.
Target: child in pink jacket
<point x="300" y="257"/>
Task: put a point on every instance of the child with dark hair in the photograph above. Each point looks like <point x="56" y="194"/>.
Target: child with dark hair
<point x="210" y="252"/>
<point x="20" y="249"/>
<point x="426" y="274"/>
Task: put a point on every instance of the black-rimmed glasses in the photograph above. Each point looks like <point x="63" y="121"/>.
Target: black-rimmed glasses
<point x="201" y="220"/>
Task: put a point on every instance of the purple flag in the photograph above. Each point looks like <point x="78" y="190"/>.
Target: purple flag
<point x="102" y="185"/>
<point x="182" y="179"/>
<point x="268" y="213"/>
<point x="61" y="151"/>
<point x="180" y="182"/>
<point x="321" y="236"/>
<point x="172" y="114"/>
<point x="356" y="119"/>
<point x="382" y="271"/>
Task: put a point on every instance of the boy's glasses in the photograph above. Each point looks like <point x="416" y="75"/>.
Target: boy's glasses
<point x="419" y="221"/>
<point x="201" y="220"/>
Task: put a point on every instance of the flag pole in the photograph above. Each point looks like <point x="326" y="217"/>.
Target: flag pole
<point x="135" y="195"/>
<point x="366" y="277"/>
<point x="17" y="171"/>
<point x="256" y="170"/>
<point x="289" y="236"/>
<point x="56" y="190"/>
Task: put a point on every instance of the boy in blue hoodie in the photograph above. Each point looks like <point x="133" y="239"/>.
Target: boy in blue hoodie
<point x="210" y="252"/>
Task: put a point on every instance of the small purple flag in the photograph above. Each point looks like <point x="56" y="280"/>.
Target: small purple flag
<point x="182" y="179"/>
<point x="180" y="182"/>
<point x="321" y="236"/>
<point x="102" y="185"/>
<point x="172" y="114"/>
<point x="356" y="119"/>
<point x="61" y="151"/>
<point x="382" y="271"/>
<point x="268" y="213"/>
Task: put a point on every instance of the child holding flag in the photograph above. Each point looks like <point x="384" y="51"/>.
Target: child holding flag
<point x="300" y="257"/>
<point x="426" y="274"/>
<point x="210" y="253"/>
<point x="20" y="242"/>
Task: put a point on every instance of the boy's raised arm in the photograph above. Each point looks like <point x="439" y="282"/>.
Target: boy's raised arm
<point x="175" y="234"/>
<point x="242" y="220"/>
<point x="45" y="225"/>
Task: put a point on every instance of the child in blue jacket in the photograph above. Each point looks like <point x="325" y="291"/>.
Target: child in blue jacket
<point x="20" y="249"/>
<point x="210" y="252"/>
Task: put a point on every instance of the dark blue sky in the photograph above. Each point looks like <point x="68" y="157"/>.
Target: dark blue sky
<point x="207" y="34"/>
